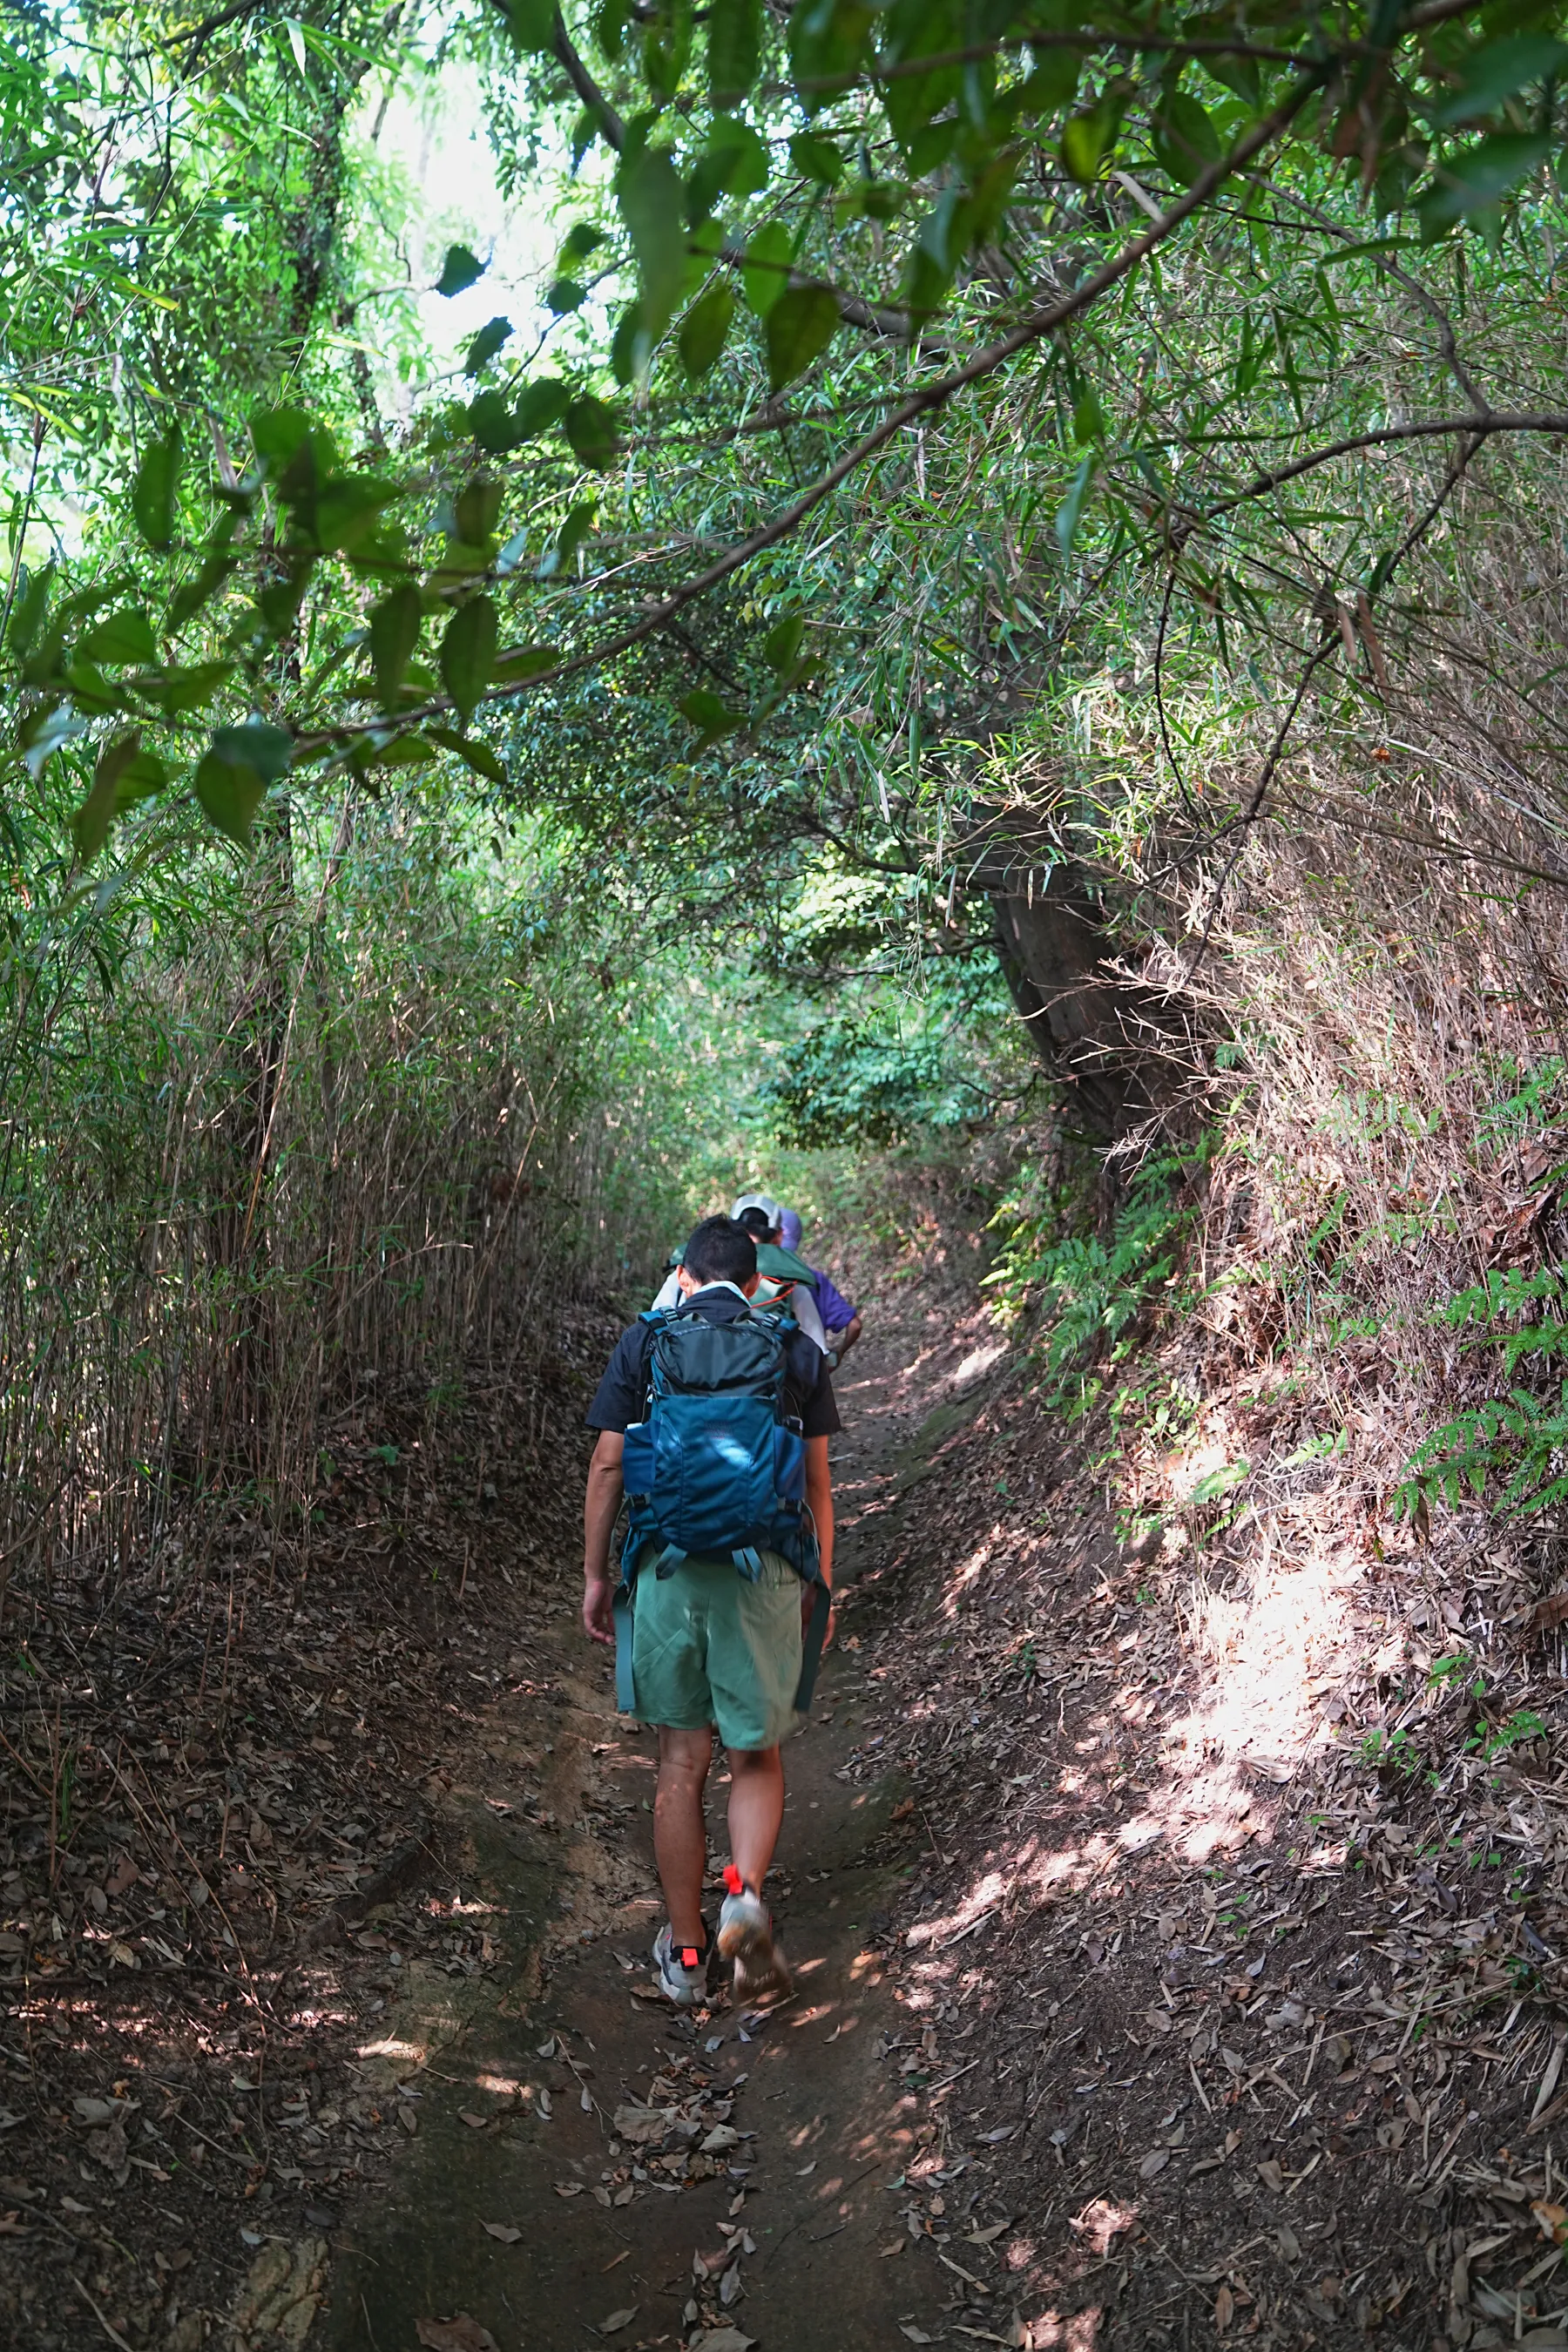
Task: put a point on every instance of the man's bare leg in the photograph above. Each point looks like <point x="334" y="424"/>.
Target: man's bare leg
<point x="679" y="1833"/>
<point x="745" y="1925"/>
<point x="757" y="1809"/>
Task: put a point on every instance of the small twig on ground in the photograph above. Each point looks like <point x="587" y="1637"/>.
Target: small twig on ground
<point x="112" y="2333"/>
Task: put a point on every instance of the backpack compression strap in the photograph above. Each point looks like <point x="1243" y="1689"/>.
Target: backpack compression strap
<point x="621" y="1610"/>
<point x="811" y="1647"/>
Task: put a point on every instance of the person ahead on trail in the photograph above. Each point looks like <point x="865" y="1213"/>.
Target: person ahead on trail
<point x="785" y="1282"/>
<point x="713" y="1419"/>
<point x="842" y="1322"/>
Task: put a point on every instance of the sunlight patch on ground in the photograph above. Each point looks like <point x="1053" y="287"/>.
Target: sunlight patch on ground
<point x="389" y="2046"/>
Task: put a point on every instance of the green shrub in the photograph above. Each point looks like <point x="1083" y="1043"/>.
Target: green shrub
<point x="1087" y="1289"/>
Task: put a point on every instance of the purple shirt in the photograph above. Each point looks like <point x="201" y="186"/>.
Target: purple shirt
<point x="834" y="1308"/>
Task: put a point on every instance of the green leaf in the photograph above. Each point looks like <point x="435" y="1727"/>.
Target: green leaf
<point x="279" y="605"/>
<point x="266" y="751"/>
<point x="541" y="405"/>
<point x="399" y="752"/>
<point x="1087" y="417"/>
<point x="734" y="51"/>
<point x="1052" y="85"/>
<point x="395" y="625"/>
<point x="229" y="796"/>
<point x="277" y="435"/>
<point x="1089" y="136"/>
<point x="152" y="494"/>
<point x="765" y="271"/>
<point x="735" y="163"/>
<point x="180" y="690"/>
<point x="468" y="653"/>
<point x="89" y="690"/>
<point x="579" y="523"/>
<point x="188" y="600"/>
<point x="799" y="326"/>
<point x="461" y="270"/>
<point x="581" y="239"/>
<point x="472" y="752"/>
<point x="1477" y="177"/>
<point x="711" y="717"/>
<point x="590" y="428"/>
<point x="1185" y="140"/>
<point x="125" y="637"/>
<point x="704" y="330"/>
<point x="44" y="732"/>
<point x="1498" y="71"/>
<point x="782" y="642"/>
<point x="143" y="777"/>
<point x="563" y="296"/>
<point x="918" y="30"/>
<point x="345" y="511"/>
<point x="1083" y="146"/>
<point x="1070" y="513"/>
<point x="519" y="663"/>
<point x="90" y="823"/>
<point x="27" y="610"/>
<point x="532" y="26"/>
<point x="652" y="204"/>
<point x="493" y="424"/>
<point x="486" y="344"/>
<point x="478" y="510"/>
<point x="826" y="41"/>
<point x="817" y="159"/>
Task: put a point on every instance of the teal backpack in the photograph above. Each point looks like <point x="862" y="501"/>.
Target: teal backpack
<point x="716" y="1465"/>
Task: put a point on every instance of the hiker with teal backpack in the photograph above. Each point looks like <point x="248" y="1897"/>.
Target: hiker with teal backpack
<point x="713" y="1418"/>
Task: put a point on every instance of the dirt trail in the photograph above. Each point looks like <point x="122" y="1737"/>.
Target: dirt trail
<point x="763" y="2199"/>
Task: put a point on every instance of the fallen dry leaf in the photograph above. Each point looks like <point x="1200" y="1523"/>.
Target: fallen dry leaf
<point x="1155" y="2161"/>
<point x="721" y="2339"/>
<point x="639" y="2126"/>
<point x="568" y="2188"/>
<point x="618" y="2319"/>
<point x="459" y="2334"/>
<point x="501" y="2230"/>
<point x="475" y="2123"/>
<point x="1224" y="2309"/>
<point x="1271" y="2175"/>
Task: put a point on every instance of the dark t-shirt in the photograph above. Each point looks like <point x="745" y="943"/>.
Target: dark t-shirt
<point x="621" y="1395"/>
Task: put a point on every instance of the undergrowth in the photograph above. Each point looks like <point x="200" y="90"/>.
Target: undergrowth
<point x="1089" y="1292"/>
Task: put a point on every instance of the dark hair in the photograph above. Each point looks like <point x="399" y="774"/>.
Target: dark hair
<point x="720" y="1251"/>
<point x="756" y="1224"/>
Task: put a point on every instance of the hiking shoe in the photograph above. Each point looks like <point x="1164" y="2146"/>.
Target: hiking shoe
<point x="746" y="1937"/>
<point x="682" y="1969"/>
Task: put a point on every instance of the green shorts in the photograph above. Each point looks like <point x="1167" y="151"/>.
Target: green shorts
<point x="710" y="1645"/>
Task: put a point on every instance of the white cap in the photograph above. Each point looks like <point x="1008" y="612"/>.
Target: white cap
<point x="770" y="1209"/>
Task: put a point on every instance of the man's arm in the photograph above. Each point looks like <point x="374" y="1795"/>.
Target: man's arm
<point x="601" y="1503"/>
<point x="819" y="1501"/>
<point x="844" y="1340"/>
